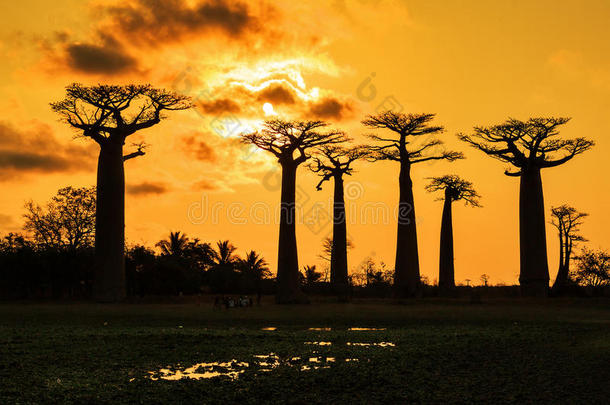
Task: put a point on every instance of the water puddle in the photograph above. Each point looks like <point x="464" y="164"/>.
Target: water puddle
<point x="261" y="363"/>
<point x="321" y="329"/>
<point x="365" y="329"/>
<point x="319" y="343"/>
<point x="378" y="344"/>
<point x="269" y="328"/>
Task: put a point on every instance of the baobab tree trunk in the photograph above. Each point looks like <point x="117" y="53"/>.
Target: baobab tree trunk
<point x="406" y="272"/>
<point x="534" y="276"/>
<point x="446" y="280"/>
<point x="288" y="291"/>
<point x="561" y="280"/>
<point x="338" y="254"/>
<point x="109" y="282"/>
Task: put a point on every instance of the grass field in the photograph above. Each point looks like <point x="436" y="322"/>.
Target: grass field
<point x="455" y="352"/>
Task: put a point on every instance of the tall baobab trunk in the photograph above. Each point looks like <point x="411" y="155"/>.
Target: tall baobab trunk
<point x="534" y="276"/>
<point x="406" y="273"/>
<point x="338" y="255"/>
<point x="446" y="280"/>
<point x="109" y="285"/>
<point x="565" y="247"/>
<point x="288" y="263"/>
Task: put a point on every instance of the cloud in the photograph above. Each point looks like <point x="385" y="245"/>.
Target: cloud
<point x="199" y="148"/>
<point x="330" y="108"/>
<point x="146" y="188"/>
<point x="205" y="185"/>
<point x="105" y="58"/>
<point x="277" y="94"/>
<point x="219" y="106"/>
<point x="36" y="150"/>
<point x="154" y="21"/>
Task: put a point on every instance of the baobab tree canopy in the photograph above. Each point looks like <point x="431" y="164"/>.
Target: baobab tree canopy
<point x="285" y="138"/>
<point x="104" y="113"/>
<point x="336" y="161"/>
<point x="455" y="188"/>
<point x="527" y="144"/>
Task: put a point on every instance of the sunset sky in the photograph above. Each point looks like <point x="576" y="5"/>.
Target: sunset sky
<point x="470" y="62"/>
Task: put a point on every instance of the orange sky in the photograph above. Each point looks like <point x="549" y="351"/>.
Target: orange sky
<point x="471" y="62"/>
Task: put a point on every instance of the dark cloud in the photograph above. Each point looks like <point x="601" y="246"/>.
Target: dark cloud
<point x="219" y="106"/>
<point x="277" y="94"/>
<point x="154" y="21"/>
<point x="330" y="108"/>
<point x="205" y="185"/>
<point x="146" y="188"/>
<point x="90" y="58"/>
<point x="36" y="150"/>
<point x="199" y="148"/>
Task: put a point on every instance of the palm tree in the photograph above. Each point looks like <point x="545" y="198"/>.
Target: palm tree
<point x="255" y="268"/>
<point x="224" y="256"/>
<point x="175" y="245"/>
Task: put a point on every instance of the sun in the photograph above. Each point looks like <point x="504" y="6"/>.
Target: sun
<point x="268" y="109"/>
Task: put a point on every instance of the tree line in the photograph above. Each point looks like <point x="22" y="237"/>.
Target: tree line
<point x="110" y="114"/>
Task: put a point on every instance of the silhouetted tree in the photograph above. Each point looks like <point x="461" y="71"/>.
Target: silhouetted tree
<point x="255" y="268"/>
<point x="108" y="115"/>
<point x="333" y="162"/>
<point x="175" y="245"/>
<point x="484" y="279"/>
<point x="67" y="221"/>
<point x="454" y="189"/>
<point x="592" y="268"/>
<point x="529" y="146"/>
<point x="311" y="275"/>
<point x="567" y="220"/>
<point x="289" y="142"/>
<point x="401" y="146"/>
<point x="222" y="274"/>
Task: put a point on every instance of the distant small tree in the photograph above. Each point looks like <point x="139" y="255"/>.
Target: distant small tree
<point x="592" y="268"/>
<point x="467" y="282"/>
<point x="176" y="245"/>
<point x="311" y="275"/>
<point x="567" y="220"/>
<point x="529" y="146"/>
<point x="454" y="189"/>
<point x="401" y="146"/>
<point x="108" y="115"/>
<point x="290" y="142"/>
<point x="484" y="279"/>
<point x="66" y="222"/>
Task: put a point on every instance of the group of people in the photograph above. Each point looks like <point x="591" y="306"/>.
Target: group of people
<point x="231" y="302"/>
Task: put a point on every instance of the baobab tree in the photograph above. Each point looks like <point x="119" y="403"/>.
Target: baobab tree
<point x="334" y="162"/>
<point x="404" y="146"/>
<point x="567" y="220"/>
<point x="529" y="146"/>
<point x="108" y="115"/>
<point x="289" y="142"/>
<point x="454" y="189"/>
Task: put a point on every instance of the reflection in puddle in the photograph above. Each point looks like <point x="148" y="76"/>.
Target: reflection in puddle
<point x="319" y="343"/>
<point x="379" y="344"/>
<point x="232" y="369"/>
<point x="321" y="329"/>
<point x="269" y="328"/>
<point x="360" y="329"/>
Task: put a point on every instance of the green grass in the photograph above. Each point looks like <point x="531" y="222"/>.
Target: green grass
<point x="501" y="352"/>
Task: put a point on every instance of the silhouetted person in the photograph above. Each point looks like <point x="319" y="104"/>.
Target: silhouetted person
<point x="529" y="146"/>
